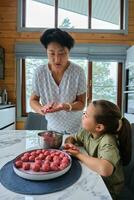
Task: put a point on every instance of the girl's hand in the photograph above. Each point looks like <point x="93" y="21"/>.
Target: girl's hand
<point x="71" y="149"/>
<point x="74" y="153"/>
<point x="70" y="140"/>
<point x="70" y="146"/>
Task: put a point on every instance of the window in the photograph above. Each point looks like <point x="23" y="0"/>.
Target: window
<point x="105" y="81"/>
<point x="37" y="14"/>
<point x="102" y="79"/>
<point x="73" y="14"/>
<point x="103" y="66"/>
<point x="109" y="18"/>
<point x="30" y="65"/>
<point x="129" y="90"/>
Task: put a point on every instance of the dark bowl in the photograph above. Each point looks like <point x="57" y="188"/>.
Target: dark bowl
<point x="50" y="139"/>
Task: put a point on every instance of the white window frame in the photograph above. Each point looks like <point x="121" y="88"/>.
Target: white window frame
<point x="91" y="52"/>
<point x="20" y="27"/>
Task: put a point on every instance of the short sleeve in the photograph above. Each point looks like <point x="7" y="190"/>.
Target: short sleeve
<point x="35" y="83"/>
<point x="81" y="83"/>
<point x="109" y="152"/>
<point x="79" y="137"/>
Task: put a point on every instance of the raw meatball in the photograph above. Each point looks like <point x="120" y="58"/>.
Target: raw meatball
<point x="36" y="167"/>
<point x="18" y="164"/>
<point x="24" y="158"/>
<point x="26" y="166"/>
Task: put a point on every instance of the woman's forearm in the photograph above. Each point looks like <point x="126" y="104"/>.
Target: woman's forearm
<point x="36" y="106"/>
<point x="77" y="105"/>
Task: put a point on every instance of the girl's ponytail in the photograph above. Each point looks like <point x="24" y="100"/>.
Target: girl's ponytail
<point x="125" y="141"/>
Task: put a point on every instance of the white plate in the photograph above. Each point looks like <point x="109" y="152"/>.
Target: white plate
<point x="39" y="176"/>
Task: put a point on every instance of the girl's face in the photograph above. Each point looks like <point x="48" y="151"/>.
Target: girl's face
<point x="88" y="120"/>
<point x="58" y="56"/>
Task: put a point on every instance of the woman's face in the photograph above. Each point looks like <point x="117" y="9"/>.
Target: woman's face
<point x="57" y="56"/>
<point x="88" y="121"/>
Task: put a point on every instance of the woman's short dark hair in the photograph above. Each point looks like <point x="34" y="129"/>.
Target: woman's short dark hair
<point x="57" y="35"/>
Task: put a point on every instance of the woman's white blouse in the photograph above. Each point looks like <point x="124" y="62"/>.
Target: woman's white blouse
<point x="73" y="83"/>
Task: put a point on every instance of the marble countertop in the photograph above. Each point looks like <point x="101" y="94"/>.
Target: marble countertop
<point x="90" y="185"/>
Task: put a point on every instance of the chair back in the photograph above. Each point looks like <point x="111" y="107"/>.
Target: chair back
<point x="129" y="169"/>
<point x="35" y="121"/>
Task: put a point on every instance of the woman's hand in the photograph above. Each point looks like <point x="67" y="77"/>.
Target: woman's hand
<point x="35" y="104"/>
<point x="47" y="107"/>
<point x="52" y="107"/>
<point x="40" y="111"/>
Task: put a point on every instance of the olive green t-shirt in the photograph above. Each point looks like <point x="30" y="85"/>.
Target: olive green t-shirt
<point x="105" y="147"/>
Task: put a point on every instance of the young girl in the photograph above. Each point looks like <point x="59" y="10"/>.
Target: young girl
<point x="106" y="137"/>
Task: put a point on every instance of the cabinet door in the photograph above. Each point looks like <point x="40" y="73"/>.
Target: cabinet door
<point x="7" y="116"/>
<point x="12" y="127"/>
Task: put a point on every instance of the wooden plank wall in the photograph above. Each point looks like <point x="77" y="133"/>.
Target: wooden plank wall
<point x="9" y="35"/>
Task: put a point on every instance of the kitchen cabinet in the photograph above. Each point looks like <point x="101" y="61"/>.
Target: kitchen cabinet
<point x="7" y="117"/>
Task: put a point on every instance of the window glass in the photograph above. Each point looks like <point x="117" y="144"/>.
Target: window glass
<point x="30" y="65"/>
<point x="39" y="15"/>
<point x="72" y="14"/>
<point x="104" y="81"/>
<point x="105" y="14"/>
